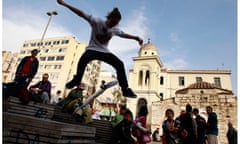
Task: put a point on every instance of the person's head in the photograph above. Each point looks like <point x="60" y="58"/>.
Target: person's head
<point x="195" y="111"/>
<point x="128" y="116"/>
<point x="169" y="114"/>
<point x="209" y="109"/>
<point x="34" y="52"/>
<point x="188" y="108"/>
<point x="59" y="92"/>
<point x="183" y="112"/>
<point x="113" y="18"/>
<point x="45" y="77"/>
<point x="143" y="111"/>
<point x="230" y="124"/>
<point x="81" y="86"/>
<point x="123" y="109"/>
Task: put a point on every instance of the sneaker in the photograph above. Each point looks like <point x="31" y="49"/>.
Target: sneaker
<point x="72" y="83"/>
<point x="129" y="93"/>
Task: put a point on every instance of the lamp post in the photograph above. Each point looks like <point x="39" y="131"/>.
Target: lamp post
<point x="50" y="14"/>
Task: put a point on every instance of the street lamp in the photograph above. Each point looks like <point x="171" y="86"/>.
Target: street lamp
<point x="50" y="14"/>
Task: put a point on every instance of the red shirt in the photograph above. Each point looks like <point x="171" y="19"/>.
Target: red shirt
<point x="27" y="66"/>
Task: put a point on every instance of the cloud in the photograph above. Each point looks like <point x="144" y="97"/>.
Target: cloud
<point x="16" y="31"/>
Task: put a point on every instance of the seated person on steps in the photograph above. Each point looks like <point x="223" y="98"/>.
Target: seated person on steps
<point x="41" y="91"/>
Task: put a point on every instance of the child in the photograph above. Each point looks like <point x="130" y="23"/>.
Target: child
<point x="102" y="32"/>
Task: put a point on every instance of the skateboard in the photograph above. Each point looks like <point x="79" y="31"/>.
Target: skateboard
<point x="98" y="93"/>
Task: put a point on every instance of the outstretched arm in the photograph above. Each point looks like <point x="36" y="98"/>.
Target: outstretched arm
<point x="75" y="10"/>
<point x="137" y="38"/>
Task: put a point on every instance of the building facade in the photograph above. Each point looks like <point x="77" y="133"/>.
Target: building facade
<point x="59" y="58"/>
<point x="159" y="87"/>
<point x="9" y="61"/>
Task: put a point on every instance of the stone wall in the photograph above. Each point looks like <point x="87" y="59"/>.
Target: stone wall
<point x="224" y="105"/>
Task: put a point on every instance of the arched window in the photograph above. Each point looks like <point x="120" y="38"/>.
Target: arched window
<point x="140" y="78"/>
<point x="161" y="80"/>
<point x="147" y="78"/>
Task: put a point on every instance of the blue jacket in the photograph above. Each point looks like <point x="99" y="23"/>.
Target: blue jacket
<point x="33" y="69"/>
<point x="212" y="124"/>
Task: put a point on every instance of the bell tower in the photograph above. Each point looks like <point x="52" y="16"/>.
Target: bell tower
<point x="144" y="78"/>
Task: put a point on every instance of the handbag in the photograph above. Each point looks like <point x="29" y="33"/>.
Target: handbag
<point x="146" y="138"/>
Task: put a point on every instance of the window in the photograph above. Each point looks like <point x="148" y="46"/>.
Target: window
<point x="198" y="79"/>
<point x="25" y="45"/>
<point x="147" y="78"/>
<point x="42" y="58"/>
<point x="60" y="58"/>
<point x="161" y="96"/>
<point x="217" y="82"/>
<point x="161" y="80"/>
<point x="140" y="78"/>
<point x="22" y="52"/>
<point x="51" y="58"/>
<point x="65" y="41"/>
<point x="33" y="44"/>
<point x="181" y="81"/>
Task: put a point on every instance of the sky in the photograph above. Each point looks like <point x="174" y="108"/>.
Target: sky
<point x="189" y="34"/>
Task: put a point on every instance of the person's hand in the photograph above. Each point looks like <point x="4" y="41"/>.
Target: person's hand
<point x="60" y="2"/>
<point x="140" y="41"/>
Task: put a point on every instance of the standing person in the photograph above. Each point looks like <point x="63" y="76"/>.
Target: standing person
<point x="56" y="98"/>
<point x="27" y="69"/>
<point x="41" y="91"/>
<point x="201" y="126"/>
<point x="102" y="32"/>
<point x="122" y="131"/>
<point x="212" y="126"/>
<point x="155" y="135"/>
<point x="188" y="127"/>
<point x="231" y="134"/>
<point x="141" y="126"/>
<point x="119" y="116"/>
<point x="170" y="128"/>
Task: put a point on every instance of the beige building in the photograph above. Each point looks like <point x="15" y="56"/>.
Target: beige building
<point x="9" y="61"/>
<point x="160" y="87"/>
<point x="59" y="58"/>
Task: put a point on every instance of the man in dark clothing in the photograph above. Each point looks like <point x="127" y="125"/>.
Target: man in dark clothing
<point x="41" y="91"/>
<point x="231" y="134"/>
<point x="188" y="126"/>
<point x="27" y="69"/>
<point x="122" y="131"/>
<point x="212" y="126"/>
<point x="201" y="126"/>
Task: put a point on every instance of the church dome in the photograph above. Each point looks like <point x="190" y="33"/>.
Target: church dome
<point x="148" y="49"/>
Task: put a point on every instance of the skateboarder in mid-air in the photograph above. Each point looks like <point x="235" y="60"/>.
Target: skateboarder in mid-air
<point x="102" y="32"/>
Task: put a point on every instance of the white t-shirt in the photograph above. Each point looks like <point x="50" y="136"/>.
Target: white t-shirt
<point x="101" y="35"/>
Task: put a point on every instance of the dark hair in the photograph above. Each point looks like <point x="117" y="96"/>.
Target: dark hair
<point x="143" y="111"/>
<point x="188" y="108"/>
<point x="196" y="110"/>
<point x="58" y="92"/>
<point x="35" y="50"/>
<point x="115" y="13"/>
<point x="169" y="110"/>
<point x="128" y="112"/>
